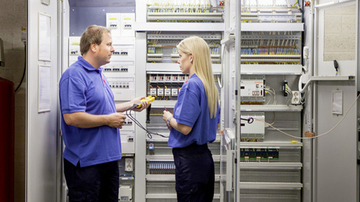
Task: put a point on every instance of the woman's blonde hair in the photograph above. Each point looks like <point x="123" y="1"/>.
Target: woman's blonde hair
<point x="202" y="66"/>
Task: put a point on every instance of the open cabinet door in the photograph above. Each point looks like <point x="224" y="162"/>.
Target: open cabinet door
<point x="335" y="93"/>
<point x="42" y="133"/>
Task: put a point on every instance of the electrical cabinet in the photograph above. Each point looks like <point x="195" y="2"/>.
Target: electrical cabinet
<point x="267" y="160"/>
<point x="164" y="82"/>
<point x="271" y="162"/>
<point x="159" y="29"/>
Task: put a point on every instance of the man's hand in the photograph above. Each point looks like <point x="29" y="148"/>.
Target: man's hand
<point x="116" y="120"/>
<point x="144" y="104"/>
<point x="122" y="107"/>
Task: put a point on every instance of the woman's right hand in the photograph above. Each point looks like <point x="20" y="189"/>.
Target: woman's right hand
<point x="166" y="115"/>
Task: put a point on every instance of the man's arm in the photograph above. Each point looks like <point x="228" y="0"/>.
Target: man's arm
<point x="86" y="120"/>
<point x="121" y="107"/>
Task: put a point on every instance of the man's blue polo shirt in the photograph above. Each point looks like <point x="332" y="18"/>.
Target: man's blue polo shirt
<point x="83" y="88"/>
<point x="192" y="109"/>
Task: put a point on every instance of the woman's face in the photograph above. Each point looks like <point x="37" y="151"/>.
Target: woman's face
<point x="185" y="62"/>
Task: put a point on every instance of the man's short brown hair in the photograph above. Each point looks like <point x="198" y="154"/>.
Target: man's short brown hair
<point x="92" y="35"/>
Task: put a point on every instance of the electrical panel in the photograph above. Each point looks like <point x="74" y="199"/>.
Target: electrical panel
<point x="74" y="49"/>
<point x="125" y="193"/>
<point x="166" y="85"/>
<point x="271" y="54"/>
<point x="126" y="177"/>
<point x="273" y="58"/>
<point x="161" y="47"/>
<point x="261" y="12"/>
<point x="253" y="131"/>
<point x="271" y="48"/>
<point x="205" y="11"/>
<point x="127" y="136"/>
<point x="121" y="24"/>
<point x="252" y="90"/>
<point x="120" y="72"/>
<point x="164" y="82"/>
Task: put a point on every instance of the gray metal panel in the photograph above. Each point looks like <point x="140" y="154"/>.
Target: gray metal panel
<point x="140" y="137"/>
<point x="41" y="128"/>
<point x="64" y="23"/>
<point x="336" y="152"/>
<point x="82" y="17"/>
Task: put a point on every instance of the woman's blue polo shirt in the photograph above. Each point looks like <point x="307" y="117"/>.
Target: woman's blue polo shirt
<point x="192" y="109"/>
<point x="83" y="88"/>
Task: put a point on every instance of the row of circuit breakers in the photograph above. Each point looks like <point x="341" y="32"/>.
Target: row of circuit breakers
<point x="165" y="86"/>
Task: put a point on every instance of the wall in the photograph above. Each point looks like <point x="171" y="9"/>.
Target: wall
<point x="13" y="15"/>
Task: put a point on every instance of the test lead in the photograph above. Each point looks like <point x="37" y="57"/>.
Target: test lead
<point x="138" y="105"/>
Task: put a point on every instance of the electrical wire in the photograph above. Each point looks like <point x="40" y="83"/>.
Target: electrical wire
<point x="296" y="4"/>
<point x="289" y="92"/>
<point x="23" y="76"/>
<point x="317" y="136"/>
<point x="274" y="119"/>
<point x="148" y="133"/>
<point x="272" y="94"/>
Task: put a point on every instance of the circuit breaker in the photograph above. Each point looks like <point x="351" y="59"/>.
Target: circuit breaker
<point x="74" y="49"/>
<point x="165" y="86"/>
<point x="120" y="72"/>
<point x="121" y="24"/>
<point x="127" y="135"/>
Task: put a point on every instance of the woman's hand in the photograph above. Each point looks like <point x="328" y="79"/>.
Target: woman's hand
<point x="166" y="115"/>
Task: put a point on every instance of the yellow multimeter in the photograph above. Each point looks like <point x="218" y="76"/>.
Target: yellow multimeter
<point x="148" y="99"/>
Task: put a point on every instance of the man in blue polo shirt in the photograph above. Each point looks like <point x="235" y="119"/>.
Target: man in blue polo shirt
<point x="90" y="122"/>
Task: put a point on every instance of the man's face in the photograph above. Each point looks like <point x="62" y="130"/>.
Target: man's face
<point x="105" y="49"/>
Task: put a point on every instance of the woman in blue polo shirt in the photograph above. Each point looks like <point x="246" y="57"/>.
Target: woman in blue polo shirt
<point x="194" y="123"/>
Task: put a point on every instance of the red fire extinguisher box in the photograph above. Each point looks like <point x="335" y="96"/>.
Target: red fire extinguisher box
<point x="7" y="133"/>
